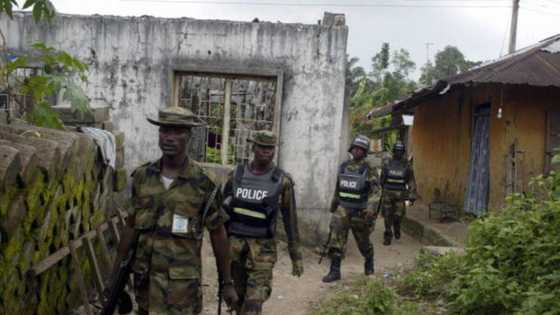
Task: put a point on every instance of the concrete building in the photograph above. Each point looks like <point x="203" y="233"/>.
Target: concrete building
<point x="238" y="76"/>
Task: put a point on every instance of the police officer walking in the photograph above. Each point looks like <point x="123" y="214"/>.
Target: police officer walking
<point x="397" y="178"/>
<point x="172" y="201"/>
<point x="254" y="195"/>
<point x="356" y="183"/>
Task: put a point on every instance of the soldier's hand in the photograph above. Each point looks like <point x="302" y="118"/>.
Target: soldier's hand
<point x="227" y="202"/>
<point x="230" y="296"/>
<point x="297" y="268"/>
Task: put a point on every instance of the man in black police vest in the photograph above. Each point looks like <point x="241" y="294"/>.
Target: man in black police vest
<point x="254" y="194"/>
<point x="356" y="184"/>
<point x="397" y="178"/>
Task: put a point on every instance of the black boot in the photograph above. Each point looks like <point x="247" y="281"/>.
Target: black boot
<point x="397" y="227"/>
<point x="387" y="237"/>
<point x="334" y="273"/>
<point x="368" y="266"/>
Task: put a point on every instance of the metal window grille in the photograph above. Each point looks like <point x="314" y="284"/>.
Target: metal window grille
<point x="4" y="98"/>
<point x="233" y="108"/>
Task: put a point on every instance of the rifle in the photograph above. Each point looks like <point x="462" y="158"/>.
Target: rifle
<point x="220" y="296"/>
<point x="204" y="213"/>
<point x="116" y="294"/>
<point x="380" y="202"/>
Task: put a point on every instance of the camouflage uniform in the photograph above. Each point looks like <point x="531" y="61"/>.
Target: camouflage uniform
<point x="344" y="219"/>
<point x="253" y="258"/>
<point x="167" y="270"/>
<point x="393" y="203"/>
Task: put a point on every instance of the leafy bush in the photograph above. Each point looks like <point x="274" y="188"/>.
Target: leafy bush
<point x="367" y="297"/>
<point x="512" y="260"/>
<point x="431" y="277"/>
<point x="59" y="72"/>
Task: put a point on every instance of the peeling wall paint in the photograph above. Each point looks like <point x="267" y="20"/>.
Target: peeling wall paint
<point x="132" y="59"/>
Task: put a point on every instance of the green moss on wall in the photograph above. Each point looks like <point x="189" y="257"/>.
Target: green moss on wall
<point x="57" y="210"/>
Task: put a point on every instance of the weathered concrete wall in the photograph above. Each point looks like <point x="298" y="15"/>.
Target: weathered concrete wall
<point x="132" y="60"/>
<point x="442" y="133"/>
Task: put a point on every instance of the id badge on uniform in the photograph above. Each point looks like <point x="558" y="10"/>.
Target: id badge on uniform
<point x="180" y="224"/>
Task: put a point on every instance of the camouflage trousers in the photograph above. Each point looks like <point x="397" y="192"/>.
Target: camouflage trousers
<point x="251" y="268"/>
<point x="394" y="209"/>
<point x="342" y="221"/>
<point x="167" y="293"/>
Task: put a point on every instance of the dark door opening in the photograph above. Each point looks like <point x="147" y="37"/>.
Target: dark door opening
<point x="552" y="140"/>
<point x="478" y="187"/>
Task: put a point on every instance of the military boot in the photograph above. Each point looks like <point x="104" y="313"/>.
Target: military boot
<point x="397" y="227"/>
<point x="334" y="273"/>
<point x="368" y="266"/>
<point x="387" y="237"/>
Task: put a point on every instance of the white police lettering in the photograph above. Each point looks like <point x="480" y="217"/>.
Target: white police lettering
<point x="348" y="184"/>
<point x="250" y="194"/>
<point x="396" y="173"/>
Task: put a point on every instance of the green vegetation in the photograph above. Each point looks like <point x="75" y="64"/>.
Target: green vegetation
<point x="511" y="265"/>
<point x="41" y="9"/>
<point x="512" y="260"/>
<point x="389" y="80"/>
<point x="53" y="72"/>
<point x="448" y="62"/>
<point x="367" y="297"/>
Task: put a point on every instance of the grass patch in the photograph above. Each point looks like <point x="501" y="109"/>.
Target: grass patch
<point x="368" y="296"/>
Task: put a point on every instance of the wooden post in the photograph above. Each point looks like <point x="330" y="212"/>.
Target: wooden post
<point x="513" y="28"/>
<point x="96" y="270"/>
<point x="278" y="114"/>
<point x="227" y="118"/>
<point x="115" y="230"/>
<point x="104" y="249"/>
<point x="81" y="283"/>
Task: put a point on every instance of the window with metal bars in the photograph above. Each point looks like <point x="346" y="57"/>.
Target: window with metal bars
<point x="233" y="107"/>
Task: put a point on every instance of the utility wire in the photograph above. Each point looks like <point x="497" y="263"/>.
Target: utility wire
<point x="330" y="4"/>
<point x="540" y="11"/>
<point x="541" y="6"/>
<point x="544" y="5"/>
<point x="552" y="2"/>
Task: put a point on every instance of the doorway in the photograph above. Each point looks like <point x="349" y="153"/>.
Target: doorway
<point x="478" y="187"/>
<point x="552" y="140"/>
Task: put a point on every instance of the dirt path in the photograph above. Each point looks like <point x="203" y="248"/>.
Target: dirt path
<point x="296" y="296"/>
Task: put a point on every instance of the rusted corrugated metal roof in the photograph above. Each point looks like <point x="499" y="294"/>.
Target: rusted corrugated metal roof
<point x="536" y="65"/>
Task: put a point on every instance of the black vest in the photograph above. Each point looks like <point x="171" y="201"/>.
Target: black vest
<point x="396" y="176"/>
<point x="353" y="187"/>
<point x="255" y="203"/>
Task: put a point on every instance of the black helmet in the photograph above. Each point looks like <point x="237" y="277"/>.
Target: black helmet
<point x="360" y="141"/>
<point x="398" y="147"/>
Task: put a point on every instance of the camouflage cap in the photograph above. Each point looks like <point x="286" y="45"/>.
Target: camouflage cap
<point x="176" y="116"/>
<point x="264" y="138"/>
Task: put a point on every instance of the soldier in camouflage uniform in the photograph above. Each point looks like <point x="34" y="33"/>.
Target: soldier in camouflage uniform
<point x="357" y="184"/>
<point x="169" y="197"/>
<point x="397" y="178"/>
<point x="255" y="193"/>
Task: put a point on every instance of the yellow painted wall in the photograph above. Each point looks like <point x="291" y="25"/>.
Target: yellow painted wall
<point x="441" y="138"/>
